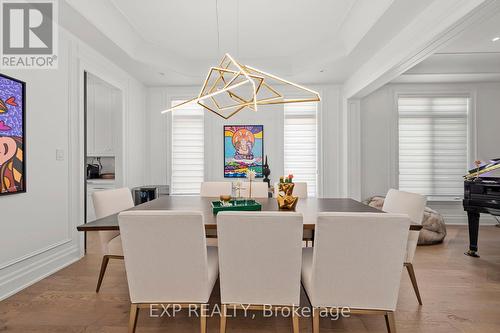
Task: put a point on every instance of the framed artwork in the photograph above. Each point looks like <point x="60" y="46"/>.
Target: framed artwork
<point x="12" y="136"/>
<point x="243" y="150"/>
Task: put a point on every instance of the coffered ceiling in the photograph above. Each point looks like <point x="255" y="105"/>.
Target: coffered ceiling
<point x="174" y="42"/>
<point x="314" y="41"/>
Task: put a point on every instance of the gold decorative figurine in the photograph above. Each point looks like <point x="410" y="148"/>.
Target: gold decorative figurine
<point x="286" y="201"/>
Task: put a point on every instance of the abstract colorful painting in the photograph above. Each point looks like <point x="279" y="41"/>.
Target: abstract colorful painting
<point x="12" y="136"/>
<point x="243" y="150"/>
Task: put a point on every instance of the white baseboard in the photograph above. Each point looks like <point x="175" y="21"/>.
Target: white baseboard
<point x="25" y="273"/>
<point x="485" y="219"/>
<point x="453" y="213"/>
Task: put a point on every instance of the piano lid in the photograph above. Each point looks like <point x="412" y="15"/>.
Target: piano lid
<point x="485" y="168"/>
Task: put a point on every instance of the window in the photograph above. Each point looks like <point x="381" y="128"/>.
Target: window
<point x="433" y="145"/>
<point x="300" y="156"/>
<point x="187" y="149"/>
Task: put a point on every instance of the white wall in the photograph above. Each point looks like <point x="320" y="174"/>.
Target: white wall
<point x="38" y="228"/>
<point x="158" y="98"/>
<point x="379" y="135"/>
<point x="135" y="137"/>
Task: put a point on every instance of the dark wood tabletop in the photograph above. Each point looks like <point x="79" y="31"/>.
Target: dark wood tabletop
<point x="308" y="207"/>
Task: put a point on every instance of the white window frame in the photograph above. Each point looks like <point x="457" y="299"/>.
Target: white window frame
<point x="471" y="129"/>
<point x="181" y="93"/>
<point x="319" y="181"/>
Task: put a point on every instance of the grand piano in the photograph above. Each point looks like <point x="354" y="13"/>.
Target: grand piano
<point x="481" y="195"/>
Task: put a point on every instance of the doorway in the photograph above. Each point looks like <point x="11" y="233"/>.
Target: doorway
<point x="103" y="145"/>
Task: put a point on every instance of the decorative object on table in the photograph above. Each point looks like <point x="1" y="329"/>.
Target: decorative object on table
<point x="230" y="87"/>
<point x="238" y="205"/>
<point x="266" y="172"/>
<point x="236" y="189"/>
<point x="482" y="169"/>
<point x="433" y="227"/>
<point x="225" y="198"/>
<point x="250" y="177"/>
<point x="243" y="150"/>
<point x="286" y="200"/>
<point x="12" y="135"/>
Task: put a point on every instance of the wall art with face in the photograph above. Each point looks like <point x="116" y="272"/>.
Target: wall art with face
<point x="12" y="136"/>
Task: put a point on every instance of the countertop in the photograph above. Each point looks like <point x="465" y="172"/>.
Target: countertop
<point x="99" y="181"/>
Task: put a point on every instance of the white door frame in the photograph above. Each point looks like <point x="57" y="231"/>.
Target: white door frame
<point x="86" y="64"/>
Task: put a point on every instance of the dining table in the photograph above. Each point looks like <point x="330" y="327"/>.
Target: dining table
<point x="309" y="207"/>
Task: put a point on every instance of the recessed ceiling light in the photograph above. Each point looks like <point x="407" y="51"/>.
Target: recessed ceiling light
<point x="495" y="39"/>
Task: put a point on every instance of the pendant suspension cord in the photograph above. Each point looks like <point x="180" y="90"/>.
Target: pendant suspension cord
<point x="218" y="32"/>
<point x="237" y="28"/>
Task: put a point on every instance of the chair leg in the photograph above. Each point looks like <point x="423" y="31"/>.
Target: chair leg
<point x="413" y="278"/>
<point x="295" y="319"/>
<point x="203" y="321"/>
<point x="134" y="313"/>
<point x="223" y="318"/>
<point x="104" y="265"/>
<point x="316" y="315"/>
<point x="390" y="322"/>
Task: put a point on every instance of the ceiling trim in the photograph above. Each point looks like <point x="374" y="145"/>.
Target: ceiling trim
<point x="106" y="17"/>
<point x="355" y="24"/>
<point x="447" y="78"/>
<point x="435" y="27"/>
<point x="119" y="26"/>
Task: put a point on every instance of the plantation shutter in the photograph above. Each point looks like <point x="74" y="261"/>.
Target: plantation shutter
<point x="433" y="145"/>
<point x="300" y="156"/>
<point x="187" y="149"/>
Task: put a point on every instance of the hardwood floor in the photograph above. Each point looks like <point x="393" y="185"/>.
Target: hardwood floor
<point x="460" y="294"/>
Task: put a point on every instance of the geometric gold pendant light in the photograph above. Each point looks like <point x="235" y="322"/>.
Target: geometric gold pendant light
<point x="230" y="87"/>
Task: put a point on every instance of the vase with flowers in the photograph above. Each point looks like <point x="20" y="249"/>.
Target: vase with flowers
<point x="285" y="198"/>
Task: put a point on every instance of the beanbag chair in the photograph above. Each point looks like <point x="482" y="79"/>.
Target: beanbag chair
<point x="433" y="226"/>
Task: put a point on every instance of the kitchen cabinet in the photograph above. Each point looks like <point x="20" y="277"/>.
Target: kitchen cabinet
<point x="103" y="106"/>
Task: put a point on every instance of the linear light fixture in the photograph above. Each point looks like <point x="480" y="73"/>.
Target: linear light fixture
<point x="230" y="87"/>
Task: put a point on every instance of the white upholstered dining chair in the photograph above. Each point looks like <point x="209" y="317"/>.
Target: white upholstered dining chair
<point x="167" y="261"/>
<point x="107" y="203"/>
<point x="259" y="260"/>
<point x="413" y="205"/>
<point x="299" y="190"/>
<point x="259" y="189"/>
<point x="215" y="189"/>
<point x="356" y="262"/>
